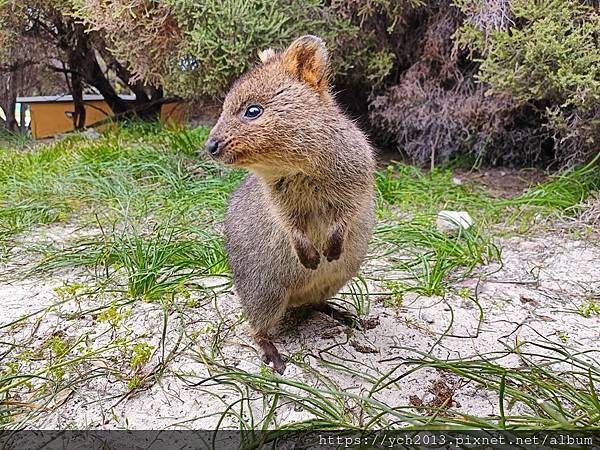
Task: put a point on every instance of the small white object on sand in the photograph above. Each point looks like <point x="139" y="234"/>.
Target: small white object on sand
<point x="453" y="221"/>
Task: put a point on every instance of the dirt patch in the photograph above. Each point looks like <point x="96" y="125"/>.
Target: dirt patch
<point x="503" y="182"/>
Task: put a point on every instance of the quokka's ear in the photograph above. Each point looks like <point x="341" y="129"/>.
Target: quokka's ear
<point x="266" y="55"/>
<point x="307" y="59"/>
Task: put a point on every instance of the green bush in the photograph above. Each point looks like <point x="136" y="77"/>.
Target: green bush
<point x="509" y="81"/>
<point x="549" y="58"/>
<point x="222" y="37"/>
<point x="196" y="48"/>
<point x="550" y="54"/>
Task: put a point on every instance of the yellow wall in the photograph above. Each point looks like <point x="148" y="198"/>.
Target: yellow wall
<point x="174" y="113"/>
<point x="50" y="119"/>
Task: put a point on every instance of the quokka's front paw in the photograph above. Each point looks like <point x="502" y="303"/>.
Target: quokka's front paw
<point x="309" y="257"/>
<point x="333" y="247"/>
<point x="306" y="251"/>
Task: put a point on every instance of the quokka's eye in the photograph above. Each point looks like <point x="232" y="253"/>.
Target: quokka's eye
<point x="253" y="111"/>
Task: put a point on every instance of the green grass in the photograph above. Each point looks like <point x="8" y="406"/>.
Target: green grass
<point x="553" y="386"/>
<point x="432" y="259"/>
<point x="23" y="215"/>
<point x="409" y="200"/>
<point x="411" y="189"/>
<point x="14" y="139"/>
<point x="125" y="173"/>
<point x="564" y="191"/>
<point x="163" y="261"/>
<point x="147" y="205"/>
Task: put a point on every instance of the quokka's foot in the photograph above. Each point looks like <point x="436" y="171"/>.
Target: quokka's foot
<point x="344" y="317"/>
<point x="270" y="355"/>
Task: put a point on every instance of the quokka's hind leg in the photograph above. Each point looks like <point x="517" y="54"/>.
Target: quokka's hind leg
<point x="270" y="354"/>
<point x="264" y="316"/>
<point x="344" y="317"/>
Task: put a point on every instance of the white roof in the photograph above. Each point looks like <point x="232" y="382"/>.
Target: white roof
<point x="67" y="98"/>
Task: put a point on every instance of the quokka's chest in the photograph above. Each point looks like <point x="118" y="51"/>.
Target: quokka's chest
<point x="305" y="196"/>
<point x="310" y="215"/>
<point x="305" y="203"/>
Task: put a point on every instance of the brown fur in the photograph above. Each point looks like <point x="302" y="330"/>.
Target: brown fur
<point x="310" y="192"/>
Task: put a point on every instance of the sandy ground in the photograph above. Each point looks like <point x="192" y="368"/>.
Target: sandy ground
<point x="532" y="296"/>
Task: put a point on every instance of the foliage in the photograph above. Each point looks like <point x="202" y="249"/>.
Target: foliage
<point x="6" y="32"/>
<point x="410" y="199"/>
<point x="552" y="55"/>
<point x="143" y="34"/>
<point x="142" y="351"/>
<point x="222" y="37"/>
<point x="50" y="35"/>
<point x="432" y="109"/>
<point x="23" y="69"/>
<point x="509" y="81"/>
<point x="199" y="48"/>
<point x="549" y="57"/>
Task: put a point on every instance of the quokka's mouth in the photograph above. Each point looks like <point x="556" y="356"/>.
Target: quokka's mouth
<point x="221" y="154"/>
<point x="228" y="158"/>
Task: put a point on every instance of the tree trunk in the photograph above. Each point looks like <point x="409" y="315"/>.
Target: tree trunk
<point x="84" y="67"/>
<point x="11" y="103"/>
<point x="148" y="100"/>
<point x="23" y="118"/>
<point x="12" y="83"/>
<point x="96" y="78"/>
<point x="77" y="92"/>
<point x="145" y="107"/>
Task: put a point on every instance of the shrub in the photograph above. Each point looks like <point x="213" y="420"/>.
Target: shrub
<point x="548" y="57"/>
<point x="508" y="81"/>
<point x="433" y="109"/>
<point x="197" y="48"/>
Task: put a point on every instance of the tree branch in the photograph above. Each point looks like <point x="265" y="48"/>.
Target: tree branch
<point x="61" y="70"/>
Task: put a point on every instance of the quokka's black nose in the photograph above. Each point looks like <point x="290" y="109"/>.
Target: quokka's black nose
<point x="213" y="146"/>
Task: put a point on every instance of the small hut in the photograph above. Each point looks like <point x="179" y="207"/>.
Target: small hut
<point x="52" y="115"/>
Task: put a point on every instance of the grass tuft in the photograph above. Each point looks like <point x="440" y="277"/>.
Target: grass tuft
<point x="432" y="259"/>
<point x="157" y="263"/>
